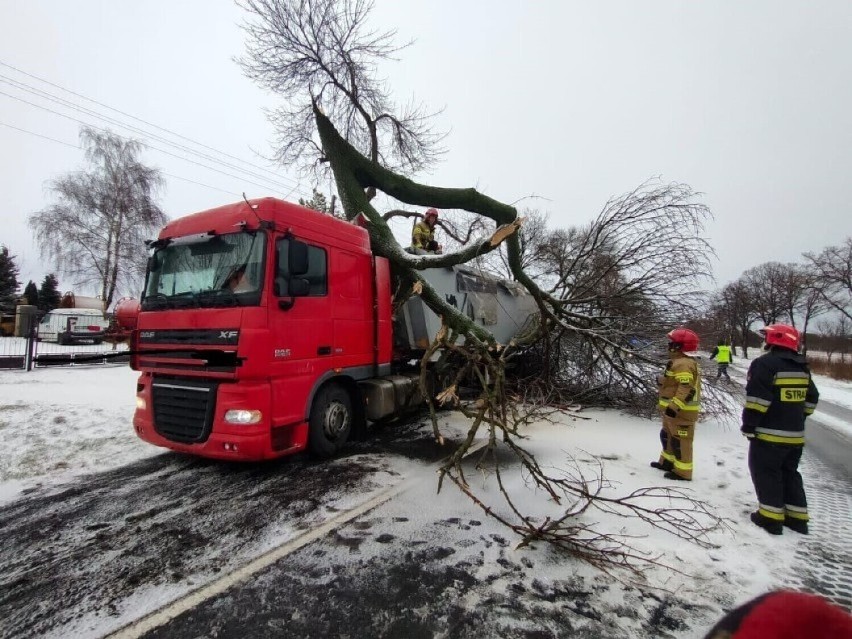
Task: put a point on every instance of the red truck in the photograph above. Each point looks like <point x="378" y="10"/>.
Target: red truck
<point x="265" y="328"/>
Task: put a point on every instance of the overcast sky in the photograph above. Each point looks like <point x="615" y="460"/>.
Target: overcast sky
<point x="748" y="102"/>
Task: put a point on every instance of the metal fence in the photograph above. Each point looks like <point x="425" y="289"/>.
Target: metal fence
<point x="13" y="352"/>
<point x="29" y="352"/>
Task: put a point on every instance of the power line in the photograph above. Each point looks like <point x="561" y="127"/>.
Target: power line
<point x="46" y="137"/>
<point x="215" y="188"/>
<point x="185" y="159"/>
<point x="106" y="106"/>
<point x="57" y="100"/>
<point x="75" y="146"/>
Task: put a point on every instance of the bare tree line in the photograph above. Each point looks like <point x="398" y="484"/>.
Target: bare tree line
<point x="817" y="290"/>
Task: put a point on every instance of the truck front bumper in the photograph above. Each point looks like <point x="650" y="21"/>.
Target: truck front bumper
<point x="188" y="415"/>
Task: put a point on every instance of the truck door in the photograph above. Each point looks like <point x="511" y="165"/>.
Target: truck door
<point x="301" y="329"/>
<point x="352" y="292"/>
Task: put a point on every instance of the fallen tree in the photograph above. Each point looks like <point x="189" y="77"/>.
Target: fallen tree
<point x="605" y="292"/>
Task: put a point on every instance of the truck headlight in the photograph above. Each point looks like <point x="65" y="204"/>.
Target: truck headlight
<point x="241" y="416"/>
<point x="141" y="404"/>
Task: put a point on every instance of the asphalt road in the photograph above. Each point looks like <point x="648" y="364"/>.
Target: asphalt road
<point x="832" y="448"/>
<point x="79" y="551"/>
<point x="83" y="549"/>
<point x="82" y="560"/>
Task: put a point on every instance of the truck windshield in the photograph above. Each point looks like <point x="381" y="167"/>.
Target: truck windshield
<point x="206" y="271"/>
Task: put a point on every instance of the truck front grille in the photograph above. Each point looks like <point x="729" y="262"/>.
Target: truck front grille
<point x="183" y="409"/>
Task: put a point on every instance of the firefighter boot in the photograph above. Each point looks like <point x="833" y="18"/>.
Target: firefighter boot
<point x="672" y="475"/>
<point x="798" y="525"/>
<point x="769" y="525"/>
<point x="666" y="465"/>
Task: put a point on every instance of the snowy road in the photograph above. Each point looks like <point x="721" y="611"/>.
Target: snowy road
<point x="830" y="446"/>
<point x="91" y="560"/>
<point x="121" y="543"/>
<point x="363" y="582"/>
<point x="89" y="556"/>
<point x="825" y="560"/>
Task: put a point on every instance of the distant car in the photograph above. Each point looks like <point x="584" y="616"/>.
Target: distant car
<point x="73" y="325"/>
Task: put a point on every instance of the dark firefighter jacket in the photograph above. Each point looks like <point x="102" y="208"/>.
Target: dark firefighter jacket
<point x="421" y="236"/>
<point x="722" y="354"/>
<point x="680" y="387"/>
<point x="779" y="395"/>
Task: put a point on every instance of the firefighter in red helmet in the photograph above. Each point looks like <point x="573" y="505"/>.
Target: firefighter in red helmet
<point x="784" y="614"/>
<point x="680" y="393"/>
<point x="780" y="394"/>
<point x="423" y="236"/>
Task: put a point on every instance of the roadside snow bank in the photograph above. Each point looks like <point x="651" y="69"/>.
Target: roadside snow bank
<point x="57" y="423"/>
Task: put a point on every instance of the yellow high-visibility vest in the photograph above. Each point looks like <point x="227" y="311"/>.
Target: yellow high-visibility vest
<point x="724" y="354"/>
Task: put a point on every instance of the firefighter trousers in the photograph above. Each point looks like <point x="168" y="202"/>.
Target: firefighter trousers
<point x="676" y="438"/>
<point x="775" y="474"/>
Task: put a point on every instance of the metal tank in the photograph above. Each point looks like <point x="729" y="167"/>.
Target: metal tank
<point x="502" y="307"/>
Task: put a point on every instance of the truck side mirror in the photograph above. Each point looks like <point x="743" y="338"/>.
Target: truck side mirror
<point x="299" y="287"/>
<point x="297" y="259"/>
<point x="296" y="287"/>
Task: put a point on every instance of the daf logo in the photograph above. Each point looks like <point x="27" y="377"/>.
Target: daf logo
<point x="147" y="334"/>
<point x="228" y="334"/>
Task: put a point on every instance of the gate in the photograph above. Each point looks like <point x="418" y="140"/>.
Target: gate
<point x="28" y="352"/>
<point x="51" y="354"/>
<point x="13" y="352"/>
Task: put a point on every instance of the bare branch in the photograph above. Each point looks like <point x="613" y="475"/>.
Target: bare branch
<point x="323" y="51"/>
<point x="95" y="233"/>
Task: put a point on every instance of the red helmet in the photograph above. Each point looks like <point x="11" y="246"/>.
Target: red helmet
<point x="683" y="339"/>
<point x="431" y="213"/>
<point x="781" y="335"/>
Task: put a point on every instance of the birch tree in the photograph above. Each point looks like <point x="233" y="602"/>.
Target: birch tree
<point x="95" y="231"/>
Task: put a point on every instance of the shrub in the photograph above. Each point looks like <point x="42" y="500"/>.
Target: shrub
<point x="837" y="368"/>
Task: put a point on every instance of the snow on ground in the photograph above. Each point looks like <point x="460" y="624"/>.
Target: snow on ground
<point x="834" y="390"/>
<point x="58" y="423"/>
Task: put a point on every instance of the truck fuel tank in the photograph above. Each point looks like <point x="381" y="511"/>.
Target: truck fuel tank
<point x="393" y="394"/>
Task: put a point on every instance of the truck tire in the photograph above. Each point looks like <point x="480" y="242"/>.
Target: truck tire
<point x="331" y="421"/>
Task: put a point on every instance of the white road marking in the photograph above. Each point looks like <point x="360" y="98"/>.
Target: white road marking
<point x="195" y="598"/>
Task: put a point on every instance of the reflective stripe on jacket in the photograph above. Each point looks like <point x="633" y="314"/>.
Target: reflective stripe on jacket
<point x="681" y="387"/>
<point x="779" y="395"/>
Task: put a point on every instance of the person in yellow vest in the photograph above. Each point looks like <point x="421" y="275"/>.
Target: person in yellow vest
<point x="423" y="236"/>
<point x="723" y="357"/>
<point x="680" y="393"/>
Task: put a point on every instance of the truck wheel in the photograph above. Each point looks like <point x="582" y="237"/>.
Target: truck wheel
<point x="331" y="421"/>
